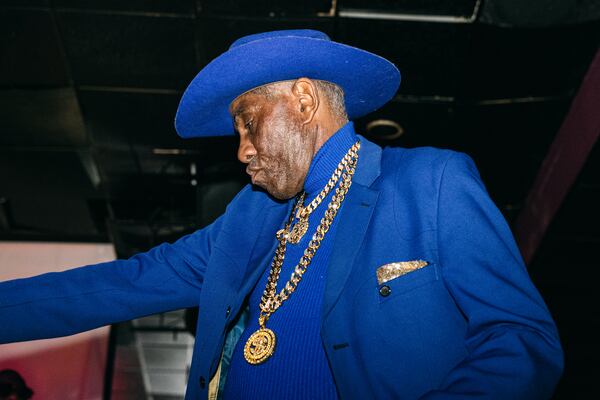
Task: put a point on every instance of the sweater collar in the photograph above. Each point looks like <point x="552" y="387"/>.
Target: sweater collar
<point x="327" y="159"/>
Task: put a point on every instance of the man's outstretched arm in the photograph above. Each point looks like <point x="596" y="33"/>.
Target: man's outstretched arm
<point x="165" y="278"/>
<point x="513" y="344"/>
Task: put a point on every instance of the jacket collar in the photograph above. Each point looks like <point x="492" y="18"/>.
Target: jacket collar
<point x="369" y="163"/>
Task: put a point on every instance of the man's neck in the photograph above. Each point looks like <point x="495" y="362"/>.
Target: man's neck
<point x="327" y="158"/>
<point x="325" y="131"/>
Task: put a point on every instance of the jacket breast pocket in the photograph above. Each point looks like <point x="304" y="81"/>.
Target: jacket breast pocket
<point x="401" y="285"/>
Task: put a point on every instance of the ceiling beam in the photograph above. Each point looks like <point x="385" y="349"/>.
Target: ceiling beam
<point x="562" y="164"/>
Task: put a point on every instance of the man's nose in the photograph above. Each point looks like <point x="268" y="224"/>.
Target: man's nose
<point x="246" y="151"/>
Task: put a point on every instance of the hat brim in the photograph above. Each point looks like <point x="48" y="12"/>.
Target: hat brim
<point x="369" y="81"/>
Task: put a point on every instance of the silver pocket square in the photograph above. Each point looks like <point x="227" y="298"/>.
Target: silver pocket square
<point x="393" y="270"/>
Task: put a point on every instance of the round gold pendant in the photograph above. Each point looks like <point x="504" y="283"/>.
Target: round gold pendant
<point x="298" y="231"/>
<point x="260" y="346"/>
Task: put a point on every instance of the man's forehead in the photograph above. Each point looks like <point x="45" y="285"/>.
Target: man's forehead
<point x="243" y="103"/>
<point x="250" y="96"/>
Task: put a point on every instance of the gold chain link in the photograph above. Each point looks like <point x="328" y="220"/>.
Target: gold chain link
<point x="271" y="300"/>
<point x="304" y="211"/>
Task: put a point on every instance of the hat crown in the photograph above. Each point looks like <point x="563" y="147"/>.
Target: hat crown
<point x="288" y="33"/>
<point x="368" y="80"/>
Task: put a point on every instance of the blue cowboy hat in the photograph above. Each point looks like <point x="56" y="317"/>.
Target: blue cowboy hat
<point x="369" y="81"/>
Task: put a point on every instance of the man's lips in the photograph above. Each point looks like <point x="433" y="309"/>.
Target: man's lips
<point x="253" y="172"/>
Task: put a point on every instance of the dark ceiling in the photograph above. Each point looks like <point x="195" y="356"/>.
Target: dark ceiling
<point x="89" y="89"/>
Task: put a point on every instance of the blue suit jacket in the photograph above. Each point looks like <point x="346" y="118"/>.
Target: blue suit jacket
<point x="469" y="325"/>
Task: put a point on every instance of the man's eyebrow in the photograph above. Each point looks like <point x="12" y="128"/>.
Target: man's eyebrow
<point x="237" y="111"/>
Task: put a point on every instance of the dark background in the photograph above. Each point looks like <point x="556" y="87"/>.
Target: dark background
<point x="89" y="89"/>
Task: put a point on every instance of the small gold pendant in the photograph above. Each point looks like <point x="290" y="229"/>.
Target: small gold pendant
<point x="298" y="231"/>
<point x="260" y="346"/>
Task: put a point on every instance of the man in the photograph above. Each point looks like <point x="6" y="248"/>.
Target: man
<point x="365" y="273"/>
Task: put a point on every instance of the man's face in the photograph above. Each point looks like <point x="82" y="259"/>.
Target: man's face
<point x="273" y="141"/>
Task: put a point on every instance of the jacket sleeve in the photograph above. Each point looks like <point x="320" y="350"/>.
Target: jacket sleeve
<point x="165" y="278"/>
<point x="513" y="344"/>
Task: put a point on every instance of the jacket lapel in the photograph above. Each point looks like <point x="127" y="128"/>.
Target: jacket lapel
<point x="352" y="227"/>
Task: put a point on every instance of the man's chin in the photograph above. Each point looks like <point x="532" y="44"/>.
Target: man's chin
<point x="282" y="196"/>
<point x="274" y="192"/>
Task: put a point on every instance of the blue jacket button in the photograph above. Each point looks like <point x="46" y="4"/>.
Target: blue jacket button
<point x="385" y="290"/>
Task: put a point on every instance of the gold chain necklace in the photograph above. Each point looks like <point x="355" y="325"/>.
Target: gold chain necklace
<point x="261" y="344"/>
<point x="302" y="212"/>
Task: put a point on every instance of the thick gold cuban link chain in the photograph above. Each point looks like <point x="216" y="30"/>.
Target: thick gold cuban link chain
<point x="303" y="212"/>
<point x="261" y="344"/>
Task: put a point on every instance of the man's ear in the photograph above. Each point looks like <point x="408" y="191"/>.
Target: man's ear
<point x="306" y="98"/>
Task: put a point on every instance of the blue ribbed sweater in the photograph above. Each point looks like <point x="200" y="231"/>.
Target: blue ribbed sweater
<point x="298" y="369"/>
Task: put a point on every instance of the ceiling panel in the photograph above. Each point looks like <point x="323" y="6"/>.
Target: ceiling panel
<point x="46" y="191"/>
<point x="430" y="56"/>
<point x="49" y="117"/>
<point x="427" y="7"/>
<point x="129" y="50"/>
<point x="158" y="6"/>
<point x="24" y="3"/>
<point x="142" y="124"/>
<point x="140" y="169"/>
<point x="175" y="166"/>
<point x="57" y="173"/>
<point x="30" y="52"/>
<point x="117" y="119"/>
<point x="116" y="163"/>
<point x="231" y="29"/>
<point x="528" y="62"/>
<point x="477" y="60"/>
<point x="538" y="13"/>
<point x="265" y="8"/>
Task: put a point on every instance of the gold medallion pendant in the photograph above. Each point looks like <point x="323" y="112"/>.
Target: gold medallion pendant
<point x="298" y="231"/>
<point x="260" y="346"/>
